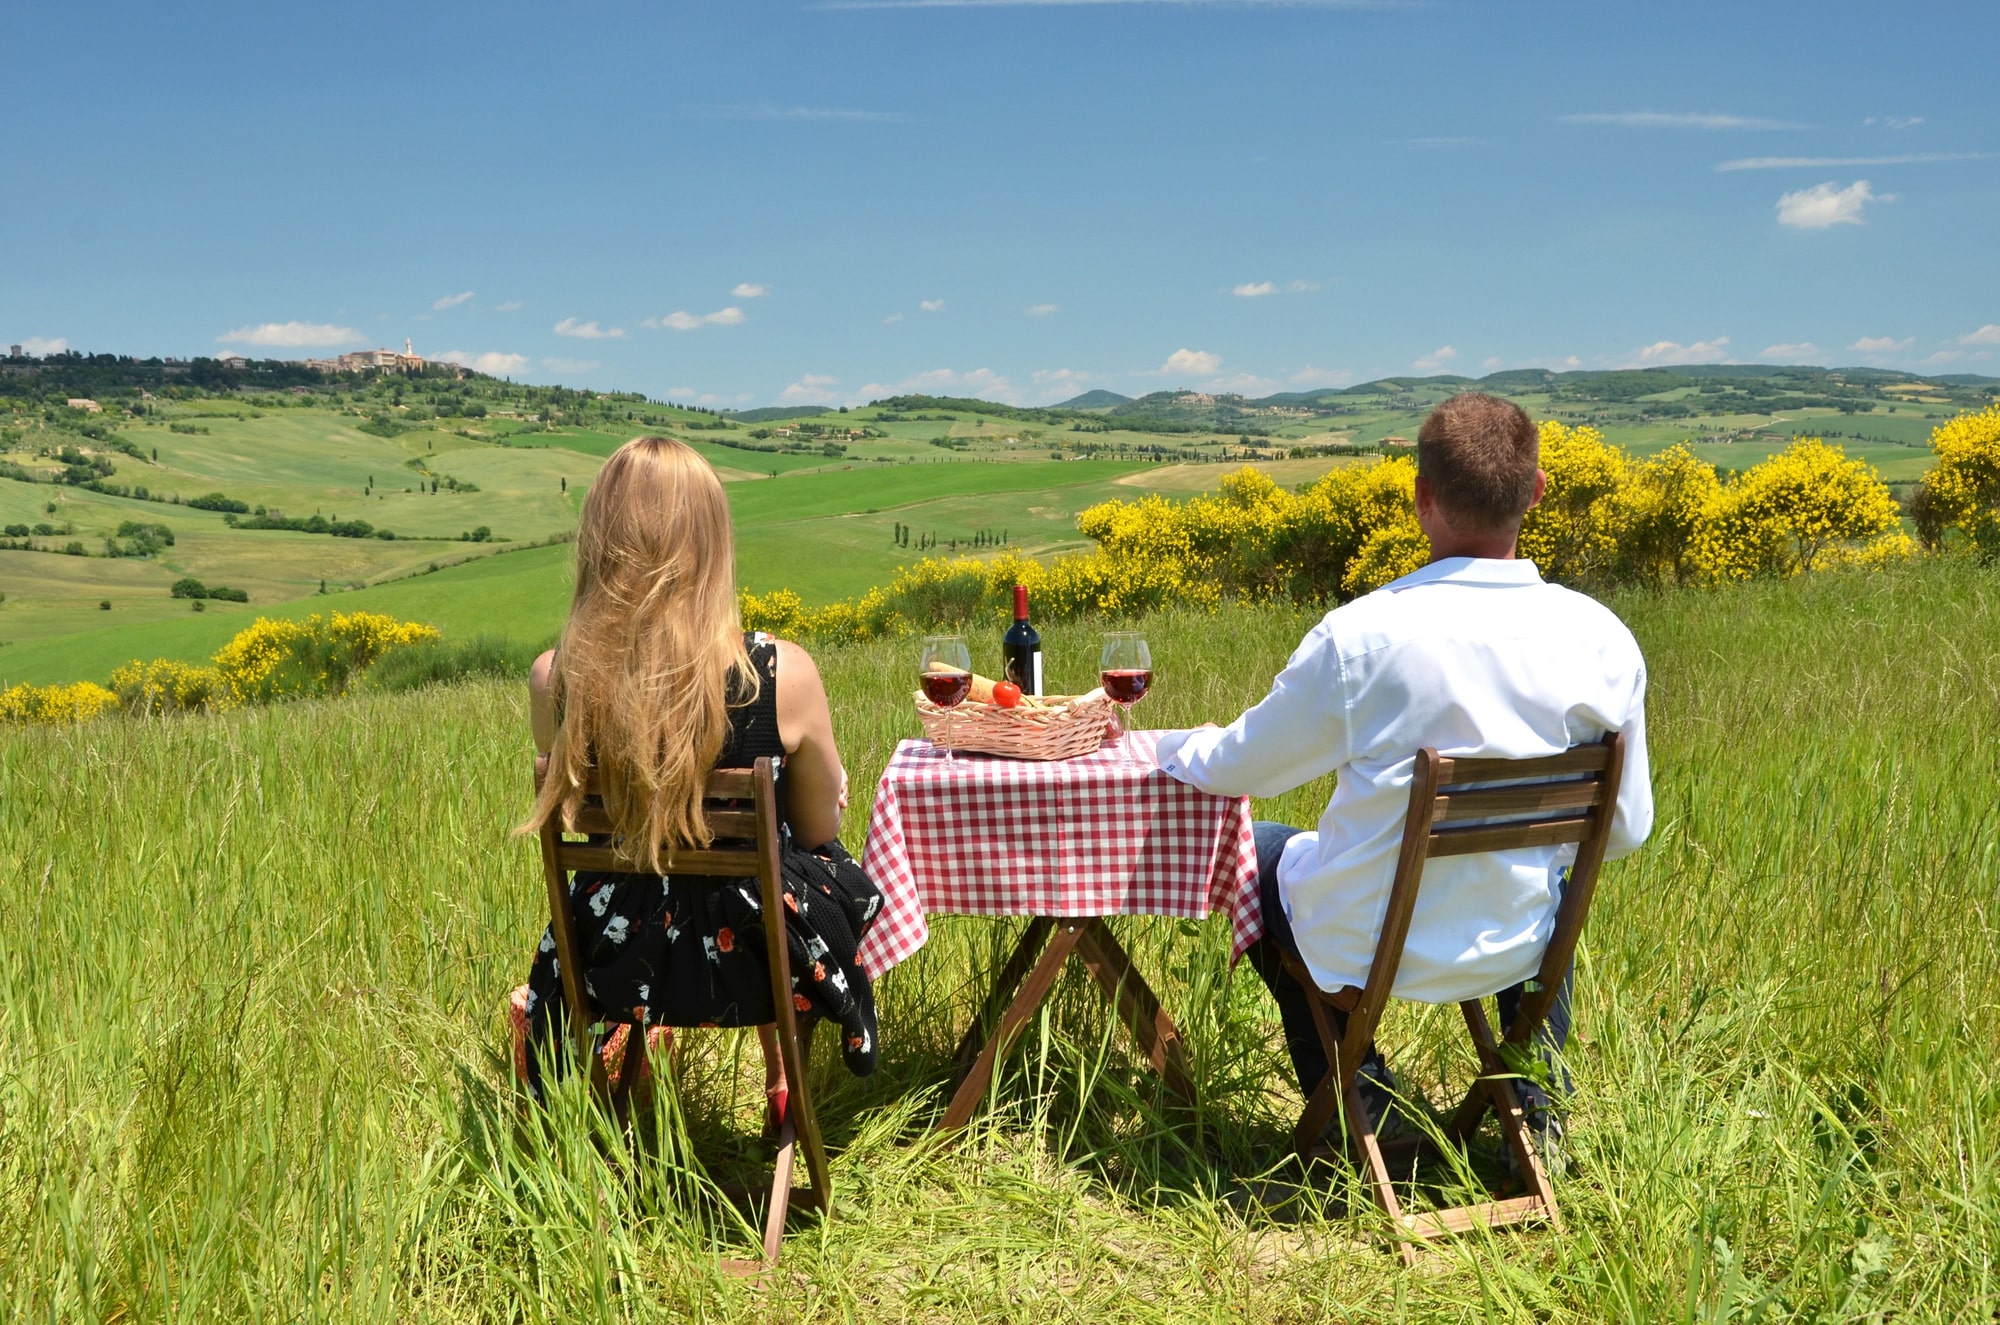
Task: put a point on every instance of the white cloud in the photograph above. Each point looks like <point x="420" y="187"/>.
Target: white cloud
<point x="892" y="318"/>
<point x="1824" y="205"/>
<point x="1254" y="289"/>
<point x="822" y="114"/>
<point x="1834" y="162"/>
<point x="1945" y="356"/>
<point x="1986" y="335"/>
<point x="451" y="301"/>
<point x="1893" y="121"/>
<point x="492" y="363"/>
<point x="932" y="305"/>
<point x="1653" y="119"/>
<point x="1670" y="352"/>
<point x="750" y="290"/>
<point x="812" y="389"/>
<point x="1311" y="376"/>
<point x="1193" y="363"/>
<point x="1792" y="351"/>
<point x="569" y="326"/>
<point x="571" y="365"/>
<point x="1436" y="359"/>
<point x="1301" y="287"/>
<point x="291" y="334"/>
<point x="1440" y="142"/>
<point x="1882" y="344"/>
<point x="982" y="382"/>
<point x="1491" y="362"/>
<point x="44" y="345"/>
<point x="511" y="306"/>
<point x="681" y="320"/>
<point x="1043" y="310"/>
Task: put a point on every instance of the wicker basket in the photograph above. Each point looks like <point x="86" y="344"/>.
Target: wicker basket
<point x="1063" y="727"/>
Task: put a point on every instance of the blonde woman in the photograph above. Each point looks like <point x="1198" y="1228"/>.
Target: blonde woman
<point x="655" y="683"/>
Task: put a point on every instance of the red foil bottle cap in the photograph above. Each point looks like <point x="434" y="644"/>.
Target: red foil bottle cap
<point x="1020" y="602"/>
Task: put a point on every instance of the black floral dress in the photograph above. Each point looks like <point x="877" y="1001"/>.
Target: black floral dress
<point x="661" y="952"/>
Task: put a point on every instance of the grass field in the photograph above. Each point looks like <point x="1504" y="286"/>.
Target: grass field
<point x="254" y="1062"/>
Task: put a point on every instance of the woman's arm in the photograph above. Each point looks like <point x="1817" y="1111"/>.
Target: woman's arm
<point x="541" y="704"/>
<point x="815" y="783"/>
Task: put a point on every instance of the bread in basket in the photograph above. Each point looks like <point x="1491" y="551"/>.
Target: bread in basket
<point x="1036" y="727"/>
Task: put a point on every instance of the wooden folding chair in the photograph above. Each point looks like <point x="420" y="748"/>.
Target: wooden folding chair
<point x="746" y="845"/>
<point x="1568" y="797"/>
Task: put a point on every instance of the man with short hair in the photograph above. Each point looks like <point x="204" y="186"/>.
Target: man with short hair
<point x="1475" y="656"/>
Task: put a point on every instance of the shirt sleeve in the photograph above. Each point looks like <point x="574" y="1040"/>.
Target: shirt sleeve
<point x="1632" y="819"/>
<point x="1296" y="733"/>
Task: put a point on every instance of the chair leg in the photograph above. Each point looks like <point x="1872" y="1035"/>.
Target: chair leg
<point x="800" y="1105"/>
<point x="1368" y="1156"/>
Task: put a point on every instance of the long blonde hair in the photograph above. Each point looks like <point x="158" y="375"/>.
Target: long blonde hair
<point x="652" y="654"/>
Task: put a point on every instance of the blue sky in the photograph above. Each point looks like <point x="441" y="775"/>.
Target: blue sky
<point x="827" y="200"/>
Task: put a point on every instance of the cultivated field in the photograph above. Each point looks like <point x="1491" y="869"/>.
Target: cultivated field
<point x="817" y="517"/>
<point x="255" y="1064"/>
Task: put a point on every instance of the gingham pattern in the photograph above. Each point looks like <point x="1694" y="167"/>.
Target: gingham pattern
<point x="1072" y="837"/>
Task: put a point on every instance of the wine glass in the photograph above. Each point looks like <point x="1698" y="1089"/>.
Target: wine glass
<point x="946" y="676"/>
<point x="1125" y="670"/>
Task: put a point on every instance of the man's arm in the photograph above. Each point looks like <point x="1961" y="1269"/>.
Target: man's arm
<point x="1296" y="733"/>
<point x="1632" y="819"/>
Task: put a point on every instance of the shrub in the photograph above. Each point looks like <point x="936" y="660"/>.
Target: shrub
<point x="77" y="702"/>
<point x="1962" y="493"/>
<point x="188" y="587"/>
<point x="278" y="659"/>
<point x="165" y="686"/>
<point x="215" y="501"/>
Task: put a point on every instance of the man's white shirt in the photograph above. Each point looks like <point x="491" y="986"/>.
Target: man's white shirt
<point x="1475" y="658"/>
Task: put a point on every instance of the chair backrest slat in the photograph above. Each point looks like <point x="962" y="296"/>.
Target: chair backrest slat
<point x="1508" y="837"/>
<point x="1592" y="758"/>
<point x="725" y="825"/>
<point x="701" y="864"/>
<point x="1500" y="802"/>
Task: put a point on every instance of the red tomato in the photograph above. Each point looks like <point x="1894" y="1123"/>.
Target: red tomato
<point x="1006" y="694"/>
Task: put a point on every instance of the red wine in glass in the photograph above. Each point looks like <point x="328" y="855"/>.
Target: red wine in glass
<point x="1125" y="670"/>
<point x="945" y="673"/>
<point x="1126" y="685"/>
<point x="947" y="689"/>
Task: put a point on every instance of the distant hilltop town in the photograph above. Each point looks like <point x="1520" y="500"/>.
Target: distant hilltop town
<point x="368" y="361"/>
<point x="406" y="360"/>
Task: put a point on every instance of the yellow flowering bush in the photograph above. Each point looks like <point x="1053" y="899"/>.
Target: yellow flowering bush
<point x="1805" y="508"/>
<point x="166" y="686"/>
<point x="79" y="701"/>
<point x="1962" y="492"/>
<point x="276" y="659"/>
<point x="1664" y="505"/>
<point x="1573" y="535"/>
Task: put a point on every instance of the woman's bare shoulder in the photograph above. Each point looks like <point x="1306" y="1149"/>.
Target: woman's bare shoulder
<point x="540" y="672"/>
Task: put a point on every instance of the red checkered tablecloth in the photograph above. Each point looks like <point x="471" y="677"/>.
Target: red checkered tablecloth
<point x="1074" y="837"/>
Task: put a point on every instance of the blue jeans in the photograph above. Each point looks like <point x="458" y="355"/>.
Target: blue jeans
<point x="1266" y="955"/>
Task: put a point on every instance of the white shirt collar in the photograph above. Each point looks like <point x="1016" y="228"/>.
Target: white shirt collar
<point x="1471" y="570"/>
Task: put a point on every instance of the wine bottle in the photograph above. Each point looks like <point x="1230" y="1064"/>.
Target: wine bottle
<point x="1021" y="647"/>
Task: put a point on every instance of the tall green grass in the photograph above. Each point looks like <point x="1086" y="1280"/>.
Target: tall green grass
<point x="252" y="1063"/>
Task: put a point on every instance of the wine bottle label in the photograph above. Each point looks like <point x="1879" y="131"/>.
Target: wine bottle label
<point x="1037" y="655"/>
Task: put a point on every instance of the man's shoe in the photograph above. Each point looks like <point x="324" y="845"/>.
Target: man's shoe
<point x="1377" y="1086"/>
<point x="1545" y="1127"/>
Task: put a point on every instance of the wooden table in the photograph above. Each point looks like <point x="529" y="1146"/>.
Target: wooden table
<point x="1067" y="843"/>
